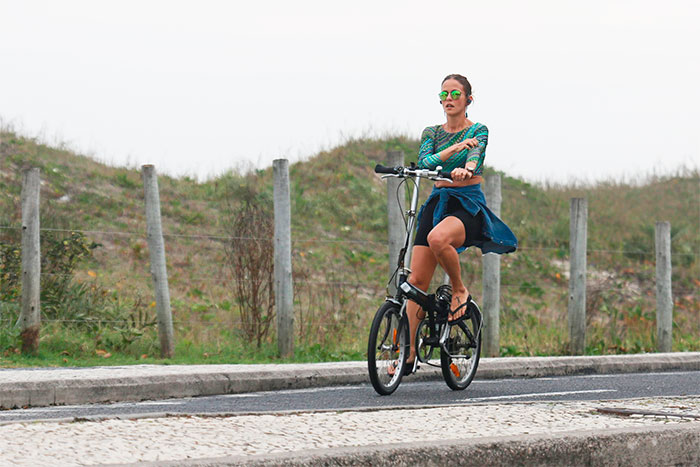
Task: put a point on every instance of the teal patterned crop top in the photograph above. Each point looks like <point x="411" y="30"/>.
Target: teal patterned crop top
<point x="436" y="139"/>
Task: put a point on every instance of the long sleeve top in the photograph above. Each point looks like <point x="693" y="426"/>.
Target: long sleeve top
<point x="435" y="139"/>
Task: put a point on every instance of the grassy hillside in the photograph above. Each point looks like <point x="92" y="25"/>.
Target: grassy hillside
<point x="340" y="260"/>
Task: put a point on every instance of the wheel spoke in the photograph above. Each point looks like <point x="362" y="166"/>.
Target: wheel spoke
<point x="460" y="356"/>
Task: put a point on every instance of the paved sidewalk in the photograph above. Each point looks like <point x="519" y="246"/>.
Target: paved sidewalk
<point x="536" y="433"/>
<point x="60" y="386"/>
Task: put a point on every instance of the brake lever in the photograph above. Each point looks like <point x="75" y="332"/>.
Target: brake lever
<point x="391" y="175"/>
<point x="443" y="179"/>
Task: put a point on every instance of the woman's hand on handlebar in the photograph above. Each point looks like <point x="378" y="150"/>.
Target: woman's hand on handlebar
<point x="460" y="174"/>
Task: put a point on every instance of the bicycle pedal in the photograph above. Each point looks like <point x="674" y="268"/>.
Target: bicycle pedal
<point x="432" y="341"/>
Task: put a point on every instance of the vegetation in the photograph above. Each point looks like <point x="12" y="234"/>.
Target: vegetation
<point x="97" y="292"/>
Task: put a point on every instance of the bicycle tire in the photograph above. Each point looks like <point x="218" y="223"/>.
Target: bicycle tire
<point x="464" y="344"/>
<point x="388" y="344"/>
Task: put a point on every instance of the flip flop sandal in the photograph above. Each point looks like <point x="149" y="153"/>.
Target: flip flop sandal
<point x="454" y="312"/>
<point x="408" y="369"/>
<point x="411" y="367"/>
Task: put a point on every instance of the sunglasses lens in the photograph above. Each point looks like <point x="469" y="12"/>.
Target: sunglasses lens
<point x="443" y="95"/>
<point x="456" y="94"/>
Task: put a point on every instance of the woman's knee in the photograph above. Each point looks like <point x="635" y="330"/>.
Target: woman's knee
<point x="419" y="280"/>
<point x="438" y="240"/>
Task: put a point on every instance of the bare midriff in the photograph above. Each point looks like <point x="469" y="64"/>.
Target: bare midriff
<point x="472" y="181"/>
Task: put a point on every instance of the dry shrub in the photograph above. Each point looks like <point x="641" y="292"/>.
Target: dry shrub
<point x="250" y="257"/>
<point x="323" y="304"/>
<point x="333" y="300"/>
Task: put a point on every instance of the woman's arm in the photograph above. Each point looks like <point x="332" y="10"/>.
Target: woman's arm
<point x="429" y="160"/>
<point x="475" y="157"/>
<point x="426" y="158"/>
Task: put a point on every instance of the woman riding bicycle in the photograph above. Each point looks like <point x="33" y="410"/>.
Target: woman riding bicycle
<point x="455" y="216"/>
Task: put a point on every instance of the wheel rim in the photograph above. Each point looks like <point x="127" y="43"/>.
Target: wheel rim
<point x="424" y="352"/>
<point x="463" y="350"/>
<point x="389" y="348"/>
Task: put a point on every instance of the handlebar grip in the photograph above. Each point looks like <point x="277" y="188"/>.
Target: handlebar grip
<point x="445" y="174"/>
<point x="380" y="169"/>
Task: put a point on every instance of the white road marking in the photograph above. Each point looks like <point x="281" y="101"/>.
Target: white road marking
<point x="294" y="391"/>
<point x="240" y="396"/>
<point x="620" y="375"/>
<point x="537" y="394"/>
<point x="138" y="404"/>
<point x="501" y="381"/>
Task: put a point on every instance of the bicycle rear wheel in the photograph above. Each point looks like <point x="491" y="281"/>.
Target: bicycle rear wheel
<point x="388" y="347"/>
<point x="463" y="346"/>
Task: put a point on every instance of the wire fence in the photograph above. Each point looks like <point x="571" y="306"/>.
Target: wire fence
<point x="312" y="241"/>
<point x="324" y="284"/>
<point x="227" y="278"/>
<point x="142" y="236"/>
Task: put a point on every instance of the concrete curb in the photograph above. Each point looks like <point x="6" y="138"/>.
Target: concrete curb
<point x="646" y="446"/>
<point x="43" y="387"/>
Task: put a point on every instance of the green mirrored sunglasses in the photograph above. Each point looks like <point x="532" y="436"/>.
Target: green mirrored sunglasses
<point x="455" y="94"/>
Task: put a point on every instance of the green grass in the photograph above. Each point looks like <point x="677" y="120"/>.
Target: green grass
<point x="339" y="255"/>
<point x="62" y="347"/>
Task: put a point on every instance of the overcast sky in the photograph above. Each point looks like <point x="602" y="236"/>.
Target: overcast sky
<point x="589" y="90"/>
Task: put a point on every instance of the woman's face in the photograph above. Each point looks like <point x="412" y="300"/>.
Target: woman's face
<point x="451" y="105"/>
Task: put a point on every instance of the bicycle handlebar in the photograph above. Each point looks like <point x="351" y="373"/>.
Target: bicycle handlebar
<point x="444" y="174"/>
<point x="412" y="171"/>
<point x="380" y="169"/>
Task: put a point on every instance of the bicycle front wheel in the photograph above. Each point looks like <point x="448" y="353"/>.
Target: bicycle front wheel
<point x="387" y="349"/>
<point x="460" y="357"/>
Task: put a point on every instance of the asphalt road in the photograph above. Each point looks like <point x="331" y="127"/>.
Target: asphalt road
<point x="409" y="394"/>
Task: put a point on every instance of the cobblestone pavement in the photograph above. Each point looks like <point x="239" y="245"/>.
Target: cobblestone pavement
<point x="191" y="437"/>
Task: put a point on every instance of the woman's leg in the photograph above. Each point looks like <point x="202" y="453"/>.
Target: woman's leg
<point x="423" y="263"/>
<point x="444" y="240"/>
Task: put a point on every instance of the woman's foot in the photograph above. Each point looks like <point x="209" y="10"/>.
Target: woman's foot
<point x="458" y="306"/>
<point x="407" y="369"/>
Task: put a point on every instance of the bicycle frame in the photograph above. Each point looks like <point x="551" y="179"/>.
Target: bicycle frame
<point x="455" y="340"/>
<point x="414" y="174"/>
<point x="403" y="288"/>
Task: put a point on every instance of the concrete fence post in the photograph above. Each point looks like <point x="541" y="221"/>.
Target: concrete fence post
<point x="30" y="314"/>
<point x="397" y="231"/>
<point x="284" y="292"/>
<point x="159" y="273"/>
<point x="664" y="298"/>
<point x="578" y="231"/>
<point x="491" y="280"/>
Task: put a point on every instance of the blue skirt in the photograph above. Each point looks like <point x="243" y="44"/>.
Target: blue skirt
<point x="498" y="237"/>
